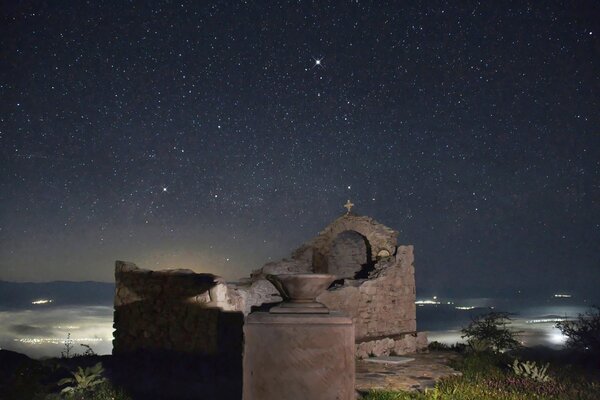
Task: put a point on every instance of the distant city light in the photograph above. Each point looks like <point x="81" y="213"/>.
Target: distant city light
<point x="41" y="301"/>
<point x="544" y="320"/>
<point x="51" y="340"/>
<point x="464" y="308"/>
<point x="424" y="302"/>
<point x="562" y="295"/>
<point x="557" y="338"/>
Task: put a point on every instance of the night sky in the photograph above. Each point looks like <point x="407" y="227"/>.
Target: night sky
<point x="217" y="136"/>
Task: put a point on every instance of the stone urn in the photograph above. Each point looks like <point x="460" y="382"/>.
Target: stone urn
<point x="299" y="349"/>
<point x="300" y="291"/>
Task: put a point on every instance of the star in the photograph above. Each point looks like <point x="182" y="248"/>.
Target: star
<point x="318" y="62"/>
<point x="164" y="189"/>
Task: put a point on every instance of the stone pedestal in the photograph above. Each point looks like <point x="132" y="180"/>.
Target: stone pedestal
<point x="298" y="357"/>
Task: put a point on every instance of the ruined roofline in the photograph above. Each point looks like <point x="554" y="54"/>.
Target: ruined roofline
<point x="362" y="224"/>
<point x="356" y="217"/>
<point x="381" y="240"/>
<point x="127" y="267"/>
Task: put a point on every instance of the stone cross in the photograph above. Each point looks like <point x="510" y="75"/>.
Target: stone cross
<point x="348" y="206"/>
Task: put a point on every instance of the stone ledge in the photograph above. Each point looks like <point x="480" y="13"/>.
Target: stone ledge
<point x="417" y="375"/>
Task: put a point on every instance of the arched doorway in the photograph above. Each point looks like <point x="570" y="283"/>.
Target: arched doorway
<point x="379" y="241"/>
<point x="349" y="255"/>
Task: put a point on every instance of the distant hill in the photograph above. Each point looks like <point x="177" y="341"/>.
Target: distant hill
<point x="21" y="294"/>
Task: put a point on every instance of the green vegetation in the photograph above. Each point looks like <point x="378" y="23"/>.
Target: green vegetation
<point x="68" y="350"/>
<point x="487" y="376"/>
<point x="530" y="370"/>
<point x="490" y="372"/>
<point x="491" y="331"/>
<point x="102" y="391"/>
<point x="84" y="380"/>
<point x="41" y="380"/>
<point x="584" y="332"/>
<point x="87" y="383"/>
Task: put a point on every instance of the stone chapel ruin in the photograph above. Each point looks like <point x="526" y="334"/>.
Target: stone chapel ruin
<point x="183" y="311"/>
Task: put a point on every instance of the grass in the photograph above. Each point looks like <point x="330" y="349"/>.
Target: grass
<point x="40" y="380"/>
<point x="487" y="376"/>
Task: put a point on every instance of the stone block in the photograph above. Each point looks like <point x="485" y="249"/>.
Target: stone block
<point x="298" y="357"/>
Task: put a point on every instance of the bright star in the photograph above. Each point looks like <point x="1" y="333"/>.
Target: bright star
<point x="165" y="189"/>
<point x="318" y="62"/>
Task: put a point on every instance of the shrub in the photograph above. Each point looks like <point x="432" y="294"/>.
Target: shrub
<point x="484" y="379"/>
<point x="478" y="345"/>
<point x="435" y="345"/>
<point x="584" y="332"/>
<point x="531" y="370"/>
<point x="475" y="365"/>
<point x="492" y="329"/>
<point x="83" y="380"/>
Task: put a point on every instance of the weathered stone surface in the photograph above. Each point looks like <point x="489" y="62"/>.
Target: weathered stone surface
<point x="255" y="293"/>
<point x="400" y="345"/>
<point x="298" y="357"/>
<point x="384" y="304"/>
<point x="348" y="255"/>
<point x="378" y="236"/>
<point x="417" y="375"/>
<point x="167" y="310"/>
<point x="377" y="292"/>
<point x="284" y="266"/>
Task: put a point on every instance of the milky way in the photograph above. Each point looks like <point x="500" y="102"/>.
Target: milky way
<point x="219" y="136"/>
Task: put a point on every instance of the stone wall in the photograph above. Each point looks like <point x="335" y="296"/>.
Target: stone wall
<point x="382" y="305"/>
<point x="398" y="345"/>
<point x="379" y="296"/>
<point x="176" y="310"/>
<point x="200" y="313"/>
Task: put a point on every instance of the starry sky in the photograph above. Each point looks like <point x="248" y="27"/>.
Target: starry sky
<point x="220" y="135"/>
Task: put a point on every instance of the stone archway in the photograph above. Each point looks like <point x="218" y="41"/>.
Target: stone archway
<point x="379" y="239"/>
<point x="349" y="254"/>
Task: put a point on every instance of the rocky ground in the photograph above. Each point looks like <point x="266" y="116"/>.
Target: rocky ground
<point x="423" y="371"/>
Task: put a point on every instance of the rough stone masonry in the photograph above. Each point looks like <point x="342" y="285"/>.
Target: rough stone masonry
<point x="201" y="313"/>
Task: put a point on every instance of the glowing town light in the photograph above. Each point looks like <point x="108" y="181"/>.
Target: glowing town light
<point x="51" y="340"/>
<point x="428" y="302"/>
<point x="559" y="295"/>
<point x="41" y="301"/>
<point x="544" y="320"/>
<point x="464" y="308"/>
<point x="556" y="337"/>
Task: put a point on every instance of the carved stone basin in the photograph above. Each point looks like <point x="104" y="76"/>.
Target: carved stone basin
<point x="300" y="291"/>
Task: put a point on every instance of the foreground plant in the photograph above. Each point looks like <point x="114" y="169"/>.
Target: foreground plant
<point x="584" y="332"/>
<point x="68" y="348"/>
<point x="492" y="330"/>
<point x="486" y="377"/>
<point x="83" y="380"/>
<point x="479" y="345"/>
<point x="531" y="370"/>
